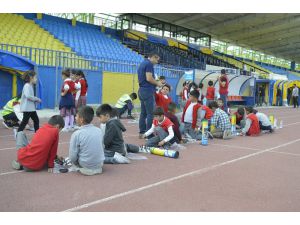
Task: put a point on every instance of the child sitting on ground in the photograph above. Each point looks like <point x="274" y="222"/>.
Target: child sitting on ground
<point x="125" y="103"/>
<point x="171" y="115"/>
<point x="252" y="125"/>
<point x="162" y="99"/>
<point x="115" y="149"/>
<point x="240" y="118"/>
<point x="42" y="150"/>
<point x="191" y="116"/>
<point x="163" y="131"/>
<point x="86" y="148"/>
<point x="263" y="120"/>
<point x="220" y="122"/>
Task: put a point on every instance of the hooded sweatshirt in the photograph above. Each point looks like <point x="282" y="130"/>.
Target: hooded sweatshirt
<point x="113" y="138"/>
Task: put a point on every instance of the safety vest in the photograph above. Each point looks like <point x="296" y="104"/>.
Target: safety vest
<point x="122" y="101"/>
<point x="9" y="107"/>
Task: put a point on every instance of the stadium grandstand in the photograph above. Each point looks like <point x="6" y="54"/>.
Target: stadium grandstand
<point x="113" y="45"/>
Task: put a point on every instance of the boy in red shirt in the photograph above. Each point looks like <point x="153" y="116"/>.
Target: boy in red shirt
<point x="162" y="99"/>
<point x="162" y="127"/>
<point x="42" y="149"/>
<point x="171" y="115"/>
<point x="223" y="88"/>
<point x="252" y="124"/>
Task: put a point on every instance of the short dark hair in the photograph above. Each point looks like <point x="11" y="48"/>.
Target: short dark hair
<point x="66" y="72"/>
<point x="162" y="77"/>
<point x="158" y="111"/>
<point x="249" y="109"/>
<point x="74" y="71"/>
<point x="26" y="76"/>
<point x="133" y="95"/>
<point x="172" y="106"/>
<point x="223" y="71"/>
<point x="195" y="93"/>
<point x="210" y="83"/>
<point x="213" y="104"/>
<point x="241" y="111"/>
<point x="220" y="99"/>
<point x="57" y="120"/>
<point x="153" y="54"/>
<point x="104" y="109"/>
<point x="114" y="112"/>
<point x="200" y="85"/>
<point x="168" y="86"/>
<point x="86" y="113"/>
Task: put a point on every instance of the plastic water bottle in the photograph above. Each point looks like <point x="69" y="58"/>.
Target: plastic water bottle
<point x="204" y="139"/>
<point x="281" y="124"/>
<point x="204" y="101"/>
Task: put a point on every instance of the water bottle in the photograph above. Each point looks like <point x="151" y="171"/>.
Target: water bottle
<point x="233" y="125"/>
<point x="204" y="140"/>
<point x="204" y="101"/>
<point x="281" y="124"/>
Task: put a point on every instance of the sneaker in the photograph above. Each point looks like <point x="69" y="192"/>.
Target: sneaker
<point x="67" y="162"/>
<point x="141" y="136"/>
<point x="15" y="133"/>
<point x="130" y="117"/>
<point x="4" y="124"/>
<point x="65" y="129"/>
<point x="227" y="134"/>
<point x="16" y="165"/>
<point x="90" y="172"/>
<point x="121" y="159"/>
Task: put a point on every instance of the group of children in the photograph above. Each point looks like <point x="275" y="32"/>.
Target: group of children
<point x="91" y="146"/>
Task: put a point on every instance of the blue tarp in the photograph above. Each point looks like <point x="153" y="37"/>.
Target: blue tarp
<point x="16" y="62"/>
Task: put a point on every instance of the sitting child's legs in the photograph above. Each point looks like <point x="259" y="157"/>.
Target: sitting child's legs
<point x="188" y="129"/>
<point x="160" y="135"/>
<point x="132" y="148"/>
<point x="21" y="142"/>
<point x="217" y="133"/>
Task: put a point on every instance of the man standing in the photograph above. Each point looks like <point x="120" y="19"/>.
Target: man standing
<point x="147" y="84"/>
<point x="295" y="95"/>
<point x="223" y="88"/>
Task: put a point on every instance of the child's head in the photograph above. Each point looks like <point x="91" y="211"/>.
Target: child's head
<point x="29" y="77"/>
<point x="165" y="89"/>
<point x="186" y="84"/>
<point x="210" y="83"/>
<point x="133" y="96"/>
<point x="65" y="74"/>
<point x="194" y="95"/>
<point x="295" y="85"/>
<point x="158" y="114"/>
<point x="162" y="79"/>
<point x="220" y="102"/>
<point x="241" y="111"/>
<point x="223" y="71"/>
<point x="84" y="115"/>
<point x="200" y="85"/>
<point x="249" y="109"/>
<point x="172" y="107"/>
<point x="57" y="121"/>
<point x="104" y="112"/>
<point x="213" y="106"/>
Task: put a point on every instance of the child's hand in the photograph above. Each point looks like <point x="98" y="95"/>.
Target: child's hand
<point x="161" y="143"/>
<point x="39" y="100"/>
<point x="50" y="170"/>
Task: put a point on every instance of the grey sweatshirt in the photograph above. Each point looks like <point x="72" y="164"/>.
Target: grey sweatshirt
<point x="86" y="147"/>
<point x="28" y="99"/>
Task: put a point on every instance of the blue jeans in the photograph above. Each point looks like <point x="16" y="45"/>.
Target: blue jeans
<point x="123" y="110"/>
<point x="224" y="98"/>
<point x="146" y="97"/>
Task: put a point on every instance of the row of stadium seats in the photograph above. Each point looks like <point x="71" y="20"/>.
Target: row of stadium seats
<point x="89" y="41"/>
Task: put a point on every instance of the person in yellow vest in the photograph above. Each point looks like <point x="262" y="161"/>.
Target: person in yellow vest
<point x="125" y="104"/>
<point x="9" y="116"/>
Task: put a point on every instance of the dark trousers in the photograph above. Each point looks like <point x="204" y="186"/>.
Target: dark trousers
<point x="11" y="120"/>
<point x="26" y="116"/>
<point x="264" y="127"/>
<point x="295" y="101"/>
<point x="123" y="110"/>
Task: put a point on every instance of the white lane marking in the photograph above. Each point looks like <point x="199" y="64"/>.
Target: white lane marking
<point x="195" y="172"/>
<point x="11" y="172"/>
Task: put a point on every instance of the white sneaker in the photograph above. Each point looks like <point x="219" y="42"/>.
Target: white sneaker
<point x="4" y="124"/>
<point x="227" y="134"/>
<point x="121" y="159"/>
<point x="15" y="133"/>
<point x="65" y="129"/>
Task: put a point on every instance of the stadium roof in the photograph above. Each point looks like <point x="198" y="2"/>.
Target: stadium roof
<point x="275" y="34"/>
